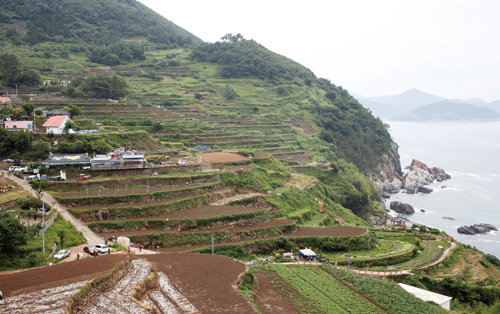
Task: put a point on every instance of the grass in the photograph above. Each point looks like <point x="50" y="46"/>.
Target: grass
<point x="13" y="195"/>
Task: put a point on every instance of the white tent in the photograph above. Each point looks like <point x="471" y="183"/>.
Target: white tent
<point x="306" y="252"/>
<point x="425" y="295"/>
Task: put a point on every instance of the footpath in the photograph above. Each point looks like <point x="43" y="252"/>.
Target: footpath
<point x="89" y="235"/>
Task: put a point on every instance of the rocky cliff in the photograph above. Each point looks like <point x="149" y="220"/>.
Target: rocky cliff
<point x="420" y="175"/>
<point x="389" y="179"/>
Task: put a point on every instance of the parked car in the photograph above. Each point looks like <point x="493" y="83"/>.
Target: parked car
<point x="102" y="248"/>
<point x="89" y="249"/>
<point x="15" y="168"/>
<point x="8" y="161"/>
<point x="62" y="254"/>
<point x="32" y="177"/>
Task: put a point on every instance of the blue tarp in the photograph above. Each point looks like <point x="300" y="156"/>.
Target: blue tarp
<point x="198" y="147"/>
<point x="94" y="131"/>
<point x="95" y="99"/>
<point x="204" y="147"/>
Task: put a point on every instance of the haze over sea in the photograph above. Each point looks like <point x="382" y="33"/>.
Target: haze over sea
<point x="470" y="153"/>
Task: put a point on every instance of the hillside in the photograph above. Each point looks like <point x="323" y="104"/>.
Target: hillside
<point x="89" y="22"/>
<point x="449" y="111"/>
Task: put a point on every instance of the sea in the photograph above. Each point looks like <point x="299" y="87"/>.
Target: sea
<point x="470" y="153"/>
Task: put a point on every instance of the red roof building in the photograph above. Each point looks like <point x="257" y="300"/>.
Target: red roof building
<point x="3" y="100"/>
<point x="56" y="124"/>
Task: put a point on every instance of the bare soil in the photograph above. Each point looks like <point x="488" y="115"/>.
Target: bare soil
<point x="194" y="213"/>
<point x="170" y="200"/>
<point x="222" y="157"/>
<point x="303" y="127"/>
<point x="57" y="275"/>
<point x="261" y="155"/>
<point x="294" y="157"/>
<point x="205" y="280"/>
<point x="269" y="300"/>
<point x="328" y="232"/>
<point x="113" y="192"/>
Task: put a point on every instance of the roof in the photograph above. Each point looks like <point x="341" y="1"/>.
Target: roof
<point x="64" y="159"/>
<point x="399" y="219"/>
<point x="307" y="252"/>
<point x="4" y="99"/>
<point x="59" y="112"/>
<point x="320" y="159"/>
<point x="55" y="121"/>
<point x="133" y="156"/>
<point x="425" y="295"/>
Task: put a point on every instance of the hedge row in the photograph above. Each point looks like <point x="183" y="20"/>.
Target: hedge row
<point x="136" y="198"/>
<point x="143" y="211"/>
<point x="164" y="224"/>
<point x="197" y="238"/>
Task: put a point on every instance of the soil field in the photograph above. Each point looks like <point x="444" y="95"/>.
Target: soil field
<point x="205" y="280"/>
<point x="241" y="168"/>
<point x="269" y="300"/>
<point x="294" y="157"/>
<point x="107" y="206"/>
<point x="222" y="157"/>
<point x="193" y="213"/>
<point x="328" y="232"/>
<point x="303" y="127"/>
<point x="114" y="192"/>
<point x="57" y="275"/>
<point x="261" y="155"/>
<point x="274" y="222"/>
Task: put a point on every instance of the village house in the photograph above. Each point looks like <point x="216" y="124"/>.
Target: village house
<point x="67" y="160"/>
<point x="64" y="83"/>
<point x="56" y="125"/>
<point x="15" y="126"/>
<point x="5" y="100"/>
<point x="134" y="161"/>
<point x="45" y="110"/>
<point x="57" y="113"/>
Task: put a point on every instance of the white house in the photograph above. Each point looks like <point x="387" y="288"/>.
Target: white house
<point x="56" y="124"/>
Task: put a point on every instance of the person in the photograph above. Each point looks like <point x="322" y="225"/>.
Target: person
<point x="109" y="250"/>
<point x="128" y="250"/>
<point x="77" y="256"/>
<point x="1" y="295"/>
<point x="335" y="263"/>
<point x="106" y="240"/>
<point x="140" y="247"/>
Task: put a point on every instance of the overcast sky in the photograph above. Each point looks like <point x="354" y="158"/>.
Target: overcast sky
<point x="373" y="48"/>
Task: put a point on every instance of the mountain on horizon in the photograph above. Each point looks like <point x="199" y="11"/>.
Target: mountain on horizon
<point x="391" y="106"/>
<point x="449" y="111"/>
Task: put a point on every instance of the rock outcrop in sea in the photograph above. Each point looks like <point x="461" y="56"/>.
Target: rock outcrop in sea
<point x="477" y="229"/>
<point x="420" y="175"/>
<point x="402" y="208"/>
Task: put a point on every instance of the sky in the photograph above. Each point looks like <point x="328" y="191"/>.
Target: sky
<point x="372" y="48"/>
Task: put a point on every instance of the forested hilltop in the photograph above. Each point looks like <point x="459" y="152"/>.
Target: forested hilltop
<point x="89" y="21"/>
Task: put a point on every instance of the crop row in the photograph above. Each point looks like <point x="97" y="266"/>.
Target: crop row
<point x="388" y="295"/>
<point x="328" y="294"/>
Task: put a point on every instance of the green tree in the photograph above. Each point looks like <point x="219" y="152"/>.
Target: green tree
<point x="5" y="142"/>
<point x="102" y="147"/>
<point x="74" y="110"/>
<point x="10" y="69"/>
<point x="21" y="140"/>
<point x="41" y="150"/>
<point x="39" y="187"/>
<point x="12" y="233"/>
<point x="229" y="93"/>
<point x="17" y="157"/>
<point x="61" y="234"/>
<point x="28" y="108"/>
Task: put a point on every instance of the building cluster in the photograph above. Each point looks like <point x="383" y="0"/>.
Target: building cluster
<point x="56" y="120"/>
<point x="118" y="159"/>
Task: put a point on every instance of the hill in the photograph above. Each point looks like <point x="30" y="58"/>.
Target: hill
<point x="449" y="111"/>
<point x="408" y="100"/>
<point x="380" y="110"/>
<point x="90" y="22"/>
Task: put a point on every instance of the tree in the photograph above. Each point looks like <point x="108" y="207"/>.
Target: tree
<point x="28" y="108"/>
<point x="69" y="125"/>
<point x="157" y="127"/>
<point x="5" y="142"/>
<point x="198" y="96"/>
<point x="21" y="140"/>
<point x="73" y="110"/>
<point x="61" y="234"/>
<point x="12" y="233"/>
<point x="41" y="150"/>
<point x="102" y="147"/>
<point x="229" y="92"/>
<point x="27" y="214"/>
<point x="10" y="69"/>
<point x="17" y="158"/>
<point x="39" y="187"/>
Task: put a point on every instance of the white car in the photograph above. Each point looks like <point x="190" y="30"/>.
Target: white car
<point x="102" y="248"/>
<point x="62" y="254"/>
<point x="15" y="168"/>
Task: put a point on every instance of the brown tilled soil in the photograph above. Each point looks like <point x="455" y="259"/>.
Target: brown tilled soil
<point x="205" y="280"/>
<point x="269" y="300"/>
<point x="194" y="213"/>
<point x="261" y="155"/>
<point x="294" y="157"/>
<point x="113" y="192"/>
<point x="241" y="168"/>
<point x="222" y="157"/>
<point x="303" y="127"/>
<point x="57" y="275"/>
<point x="170" y="200"/>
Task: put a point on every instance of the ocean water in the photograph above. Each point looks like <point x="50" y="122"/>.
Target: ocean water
<point x="470" y="153"/>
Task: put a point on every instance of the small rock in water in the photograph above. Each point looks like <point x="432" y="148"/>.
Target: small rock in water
<point x="443" y="187"/>
<point x="402" y="208"/>
<point x="422" y="210"/>
<point x="448" y="218"/>
<point x="422" y="189"/>
<point x="477" y="229"/>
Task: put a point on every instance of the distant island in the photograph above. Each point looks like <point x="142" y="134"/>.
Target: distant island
<point x="448" y="111"/>
<point x="416" y="105"/>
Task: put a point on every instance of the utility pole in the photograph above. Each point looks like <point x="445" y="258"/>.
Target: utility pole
<point x="16" y="90"/>
<point x="34" y="120"/>
<point x="43" y="230"/>
<point x="212" y="245"/>
<point x="348" y="262"/>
